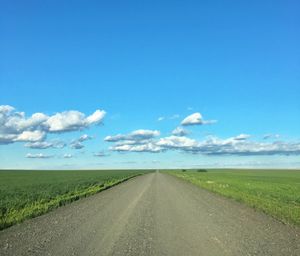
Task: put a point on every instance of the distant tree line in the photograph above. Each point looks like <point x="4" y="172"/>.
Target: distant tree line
<point x="198" y="170"/>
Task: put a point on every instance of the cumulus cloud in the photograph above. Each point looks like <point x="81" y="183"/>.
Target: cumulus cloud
<point x="6" y="108"/>
<point x="73" y="121"/>
<point x="15" y="126"/>
<point x="196" y="119"/>
<point x="134" y="136"/>
<point x="31" y="136"/>
<point x="192" y="119"/>
<point x="177" y="142"/>
<point x="40" y="155"/>
<point x="179" y="131"/>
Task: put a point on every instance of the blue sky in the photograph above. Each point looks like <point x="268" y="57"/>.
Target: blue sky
<point x="235" y="62"/>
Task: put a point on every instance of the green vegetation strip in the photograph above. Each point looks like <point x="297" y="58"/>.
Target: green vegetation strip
<point x="275" y="192"/>
<point x="27" y="194"/>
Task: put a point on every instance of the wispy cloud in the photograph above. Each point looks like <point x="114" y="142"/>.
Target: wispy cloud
<point x="84" y="137"/>
<point x="78" y="143"/>
<point x="271" y="136"/>
<point x="162" y="118"/>
<point x="100" y="154"/>
<point x="146" y="147"/>
<point x="40" y="155"/>
<point x="45" y="144"/>
<point x="68" y="156"/>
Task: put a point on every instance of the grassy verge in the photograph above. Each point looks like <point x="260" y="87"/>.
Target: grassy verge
<point x="275" y="192"/>
<point x="27" y="194"/>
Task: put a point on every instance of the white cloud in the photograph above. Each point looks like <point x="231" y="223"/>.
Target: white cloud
<point x="84" y="137"/>
<point x="192" y="119"/>
<point x="7" y="138"/>
<point x="73" y="121"/>
<point x="176" y="142"/>
<point x="40" y="155"/>
<point x="20" y="123"/>
<point x="209" y="121"/>
<point x="242" y="137"/>
<point x="15" y="126"/>
<point x="148" y="147"/>
<point x="179" y="131"/>
<point x="237" y="145"/>
<point x="76" y="145"/>
<point x="196" y="119"/>
<point x="215" y="146"/>
<point x="230" y="146"/>
<point x="96" y="117"/>
<point x="31" y="136"/>
<point x="161" y="118"/>
<point x="68" y="155"/>
<point x="45" y="144"/>
<point x="6" y="108"/>
<point x="134" y="136"/>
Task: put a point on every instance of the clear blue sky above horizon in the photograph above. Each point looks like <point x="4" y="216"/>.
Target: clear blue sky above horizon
<point x="237" y="62"/>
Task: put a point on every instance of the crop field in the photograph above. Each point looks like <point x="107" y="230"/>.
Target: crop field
<point x="275" y="192"/>
<point x="26" y="194"/>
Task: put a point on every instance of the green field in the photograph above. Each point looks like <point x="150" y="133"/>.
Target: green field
<point x="275" y="192"/>
<point x="26" y="194"/>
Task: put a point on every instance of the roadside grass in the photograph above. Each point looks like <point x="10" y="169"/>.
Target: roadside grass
<point x="275" y="192"/>
<point x="27" y="194"/>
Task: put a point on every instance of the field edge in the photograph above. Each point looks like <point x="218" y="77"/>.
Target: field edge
<point x="40" y="208"/>
<point x="258" y="208"/>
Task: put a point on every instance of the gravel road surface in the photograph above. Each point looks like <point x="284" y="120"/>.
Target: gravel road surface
<point x="154" y="214"/>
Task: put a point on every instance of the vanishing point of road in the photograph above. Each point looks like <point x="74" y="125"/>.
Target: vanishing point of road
<point x="154" y="214"/>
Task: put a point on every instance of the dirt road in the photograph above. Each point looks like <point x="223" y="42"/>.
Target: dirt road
<point x="155" y="214"/>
